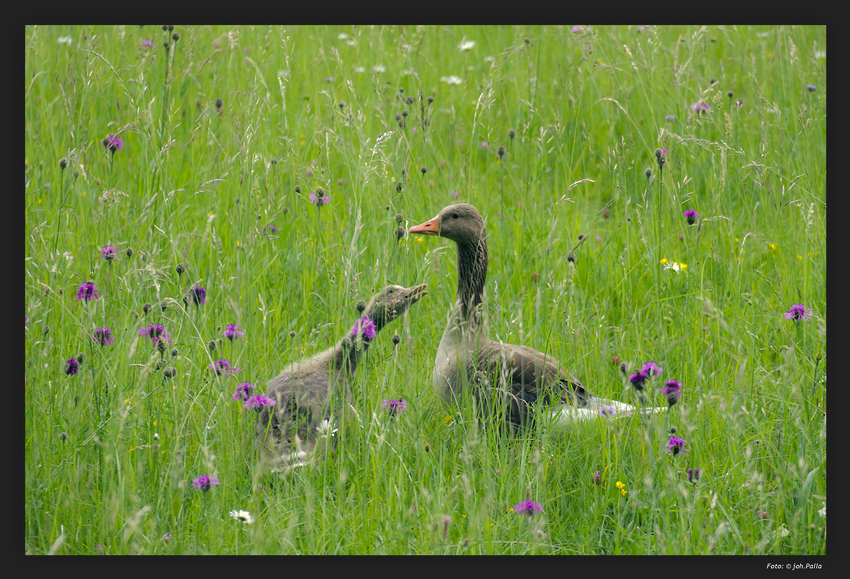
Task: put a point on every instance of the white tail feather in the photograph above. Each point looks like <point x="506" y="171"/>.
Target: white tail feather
<point x="597" y="408"/>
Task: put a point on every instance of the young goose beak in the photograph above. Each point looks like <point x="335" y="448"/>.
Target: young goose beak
<point x="415" y="293"/>
<point x="430" y="227"/>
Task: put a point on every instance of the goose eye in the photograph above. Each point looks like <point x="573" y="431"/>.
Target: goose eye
<point x="454" y="215"/>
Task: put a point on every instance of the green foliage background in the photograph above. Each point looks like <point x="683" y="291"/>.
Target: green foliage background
<point x="110" y="450"/>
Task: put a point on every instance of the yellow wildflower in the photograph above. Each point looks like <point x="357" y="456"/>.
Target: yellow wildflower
<point x="683" y="265"/>
<point x="448" y="420"/>
<point x="663" y="261"/>
<point x="772" y="246"/>
<point x="800" y="257"/>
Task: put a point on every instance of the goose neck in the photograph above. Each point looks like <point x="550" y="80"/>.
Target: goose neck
<point x="472" y="274"/>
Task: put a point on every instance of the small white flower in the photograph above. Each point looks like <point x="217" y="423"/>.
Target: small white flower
<point x="351" y="43"/>
<point x="466" y="45"/>
<point x="379" y="68"/>
<point x="489" y="59"/>
<point x="451" y="79"/>
<point x="243" y="516"/>
<point x="325" y="429"/>
<point x="359" y="69"/>
<point x="820" y="54"/>
<point x="343" y="36"/>
<point x="673" y="265"/>
<point x="822" y="512"/>
<point x="65" y="40"/>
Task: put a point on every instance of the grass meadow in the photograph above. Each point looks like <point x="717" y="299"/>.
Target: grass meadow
<point x="551" y="132"/>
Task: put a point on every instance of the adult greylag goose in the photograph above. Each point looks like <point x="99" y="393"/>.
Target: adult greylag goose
<point x="309" y="396"/>
<point x="468" y="362"/>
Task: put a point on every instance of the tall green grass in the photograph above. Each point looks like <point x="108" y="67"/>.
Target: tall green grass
<point x="110" y="451"/>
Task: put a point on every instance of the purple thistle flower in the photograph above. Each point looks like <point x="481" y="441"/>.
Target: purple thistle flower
<point x="811" y="87"/>
<point x="676" y="445"/>
<point x="394" y="406"/>
<point x="155" y="332"/>
<point x="147" y="43"/>
<point x="455" y="195"/>
<point x="798" y="312"/>
<point x="484" y="144"/>
<point x="271" y="229"/>
<point x="104" y="336"/>
<point x="199" y="295"/>
<point x="232" y="332"/>
<point x="320" y="199"/>
<point x="528" y="507"/>
<point x="243" y="392"/>
<point x="577" y="29"/>
<point x="691" y="216"/>
<point x="693" y="475"/>
<point x="113" y="143"/>
<point x="258" y="401"/>
<point x="700" y="107"/>
<point x="222" y="366"/>
<point x="87" y="292"/>
<point x="363" y="326"/>
<point x="607" y="411"/>
<point x="108" y="253"/>
<point x="672" y="391"/>
<point x="205" y="482"/>
<point x="670" y="118"/>
<point x="637" y="379"/>
<point x="597" y="478"/>
<point x="71" y="366"/>
<point x="651" y="369"/>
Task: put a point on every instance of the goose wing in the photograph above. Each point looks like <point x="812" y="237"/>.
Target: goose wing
<point x="523" y="375"/>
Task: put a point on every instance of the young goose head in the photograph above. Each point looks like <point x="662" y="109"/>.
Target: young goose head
<point x="460" y="222"/>
<point x="391" y="302"/>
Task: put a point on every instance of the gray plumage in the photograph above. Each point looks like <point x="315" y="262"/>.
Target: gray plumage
<point x="505" y="378"/>
<point x="310" y="394"/>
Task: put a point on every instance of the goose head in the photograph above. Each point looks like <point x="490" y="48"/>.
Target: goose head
<point x="460" y="222"/>
<point x="391" y="302"/>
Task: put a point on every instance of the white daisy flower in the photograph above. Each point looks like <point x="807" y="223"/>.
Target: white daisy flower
<point x="351" y="43"/>
<point x="489" y="59"/>
<point x="65" y="40"/>
<point x="451" y="79"/>
<point x="243" y="516"/>
<point x="359" y="69"/>
<point x="822" y="512"/>
<point x="820" y="54"/>
<point x="343" y="36"/>
<point x="466" y="45"/>
<point x="379" y="68"/>
<point x="326" y="428"/>
<point x="673" y="265"/>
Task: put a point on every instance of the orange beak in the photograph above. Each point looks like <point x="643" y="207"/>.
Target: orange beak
<point x="430" y="227"/>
